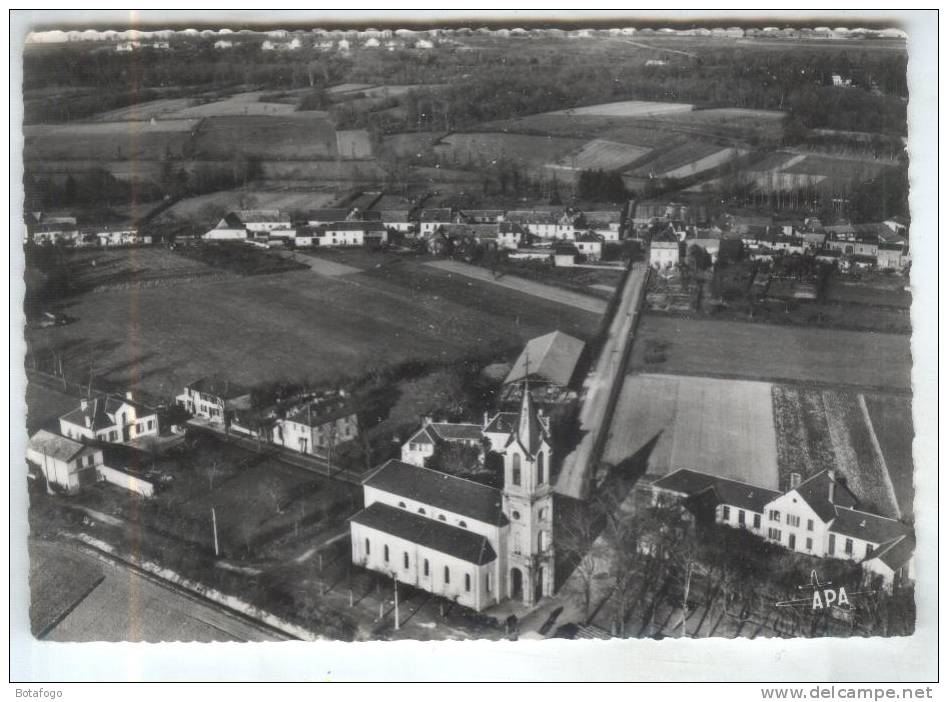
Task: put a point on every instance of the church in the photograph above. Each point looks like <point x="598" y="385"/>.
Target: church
<point x="459" y="539"/>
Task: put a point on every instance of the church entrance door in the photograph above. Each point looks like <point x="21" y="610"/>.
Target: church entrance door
<point x="538" y="586"/>
<point x="516" y="583"/>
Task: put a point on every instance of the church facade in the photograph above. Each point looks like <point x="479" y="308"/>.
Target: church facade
<point x="460" y="539"/>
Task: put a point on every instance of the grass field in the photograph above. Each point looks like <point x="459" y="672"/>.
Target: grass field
<point x="627" y="108"/>
<point x="724" y="427"/>
<point x="298" y="135"/>
<point x="353" y="143"/>
<point x="876" y="289"/>
<point x="103" y="141"/>
<point x="199" y="207"/>
<point x="603" y="154"/>
<point x="326" y="327"/>
<point x="678" y="158"/>
<point x="118" y="268"/>
<point x="44" y="406"/>
<point x="409" y="145"/>
<point x="820" y="429"/>
<point x="157" y="109"/>
<point x="242" y="104"/>
<point x="484" y="147"/>
<point x="770" y="352"/>
<point x="891" y="418"/>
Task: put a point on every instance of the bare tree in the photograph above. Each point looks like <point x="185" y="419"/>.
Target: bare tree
<point x="578" y="543"/>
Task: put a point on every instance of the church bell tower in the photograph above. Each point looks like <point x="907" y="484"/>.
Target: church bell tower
<point x="528" y="504"/>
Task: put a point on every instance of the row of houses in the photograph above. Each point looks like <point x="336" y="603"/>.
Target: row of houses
<point x="311" y="426"/>
<point x="876" y="246"/>
<point x="352" y="227"/>
<point x="818" y="517"/>
<point x="45" y="230"/>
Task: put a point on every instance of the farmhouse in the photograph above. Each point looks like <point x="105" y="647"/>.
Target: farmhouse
<point x="68" y="464"/>
<point x="459" y="539"/>
<point x="319" y="424"/>
<point x="431" y="220"/>
<point x="395" y="219"/>
<point x="230" y="228"/>
<point x="111" y="419"/>
<point x="664" y="249"/>
<point x="349" y="233"/>
<point x="264" y="221"/>
<point x="114" y="235"/>
<point x="422" y="444"/>
<point x="894" y="562"/>
<point x="44" y="229"/>
<point x="479" y="216"/>
<point x="818" y="517"/>
<point x="545" y="224"/>
<point x="589" y="244"/>
<point x="891" y="255"/>
<point x="564" y="255"/>
<point x="605" y="223"/>
<point x="214" y="398"/>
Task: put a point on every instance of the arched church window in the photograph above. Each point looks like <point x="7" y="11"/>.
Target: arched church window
<point x="516" y="469"/>
<point x="540" y="469"/>
<point x="515" y="514"/>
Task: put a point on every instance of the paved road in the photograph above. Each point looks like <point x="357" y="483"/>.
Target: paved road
<point x="600" y="387"/>
<point x="547" y="292"/>
<point x="127" y="606"/>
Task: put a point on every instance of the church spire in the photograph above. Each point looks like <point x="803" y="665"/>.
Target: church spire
<point x="529" y="432"/>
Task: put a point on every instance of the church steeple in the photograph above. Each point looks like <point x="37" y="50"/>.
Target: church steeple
<point x="529" y="431"/>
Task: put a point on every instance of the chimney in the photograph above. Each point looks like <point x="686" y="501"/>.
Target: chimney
<point x="83" y="404"/>
<point x="831" y="474"/>
<point x="486" y="419"/>
<point x="425" y="421"/>
<point x="88" y="422"/>
<point x="795" y="480"/>
<point x="128" y="395"/>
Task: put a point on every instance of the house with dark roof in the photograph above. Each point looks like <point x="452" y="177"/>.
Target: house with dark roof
<point x="893" y="562"/>
<point x="589" y="244"/>
<point x="349" y="233"/>
<point x="422" y="444"/>
<point x="459" y="539"/>
<point x="230" y="228"/>
<point x="550" y="359"/>
<point x="214" y="398"/>
<point x="318" y="425"/>
<point x="432" y="219"/>
<point x="70" y="465"/>
<point x="818" y="517"/>
<point x="664" y="247"/>
<point x="111" y="419"/>
<point x="319" y="217"/>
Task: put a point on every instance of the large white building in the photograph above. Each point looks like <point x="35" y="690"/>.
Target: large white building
<point x="65" y="463"/>
<point x="460" y="539"/>
<point x="111" y="419"/>
<point x="818" y="517"/>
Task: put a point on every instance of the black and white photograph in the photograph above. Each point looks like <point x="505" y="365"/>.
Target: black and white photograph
<point x="508" y="331"/>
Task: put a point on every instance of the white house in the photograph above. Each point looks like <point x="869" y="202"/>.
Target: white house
<point x="318" y="425"/>
<point x="230" y="228"/>
<point x="422" y="444"/>
<point x="894" y="562"/>
<point x="664" y="250"/>
<point x="264" y="221"/>
<point x="111" y="419"/>
<point x="589" y="244"/>
<point x="460" y="539"/>
<point x="68" y="464"/>
<point x="817" y="517"/>
<point x="430" y="220"/>
<point x="213" y="398"/>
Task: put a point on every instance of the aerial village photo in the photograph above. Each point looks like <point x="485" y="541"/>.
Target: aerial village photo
<point x="453" y="332"/>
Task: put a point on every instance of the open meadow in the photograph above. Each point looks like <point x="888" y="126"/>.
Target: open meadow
<point x="295" y="135"/>
<point x="120" y="141"/>
<point x="757" y="351"/>
<point x="162" y="337"/>
<point x="724" y="427"/>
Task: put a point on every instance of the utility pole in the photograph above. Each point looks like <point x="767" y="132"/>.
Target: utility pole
<point x="395" y="582"/>
<point x="217" y="551"/>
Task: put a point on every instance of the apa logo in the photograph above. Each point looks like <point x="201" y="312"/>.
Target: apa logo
<point x="824" y="596"/>
<point x="830" y="598"/>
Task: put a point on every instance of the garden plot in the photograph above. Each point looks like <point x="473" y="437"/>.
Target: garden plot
<point x="821" y="429"/>
<point x="678" y="159"/>
<point x="353" y="143"/>
<point x="298" y="135"/>
<point x="723" y="427"/>
<point x="602" y="154"/>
